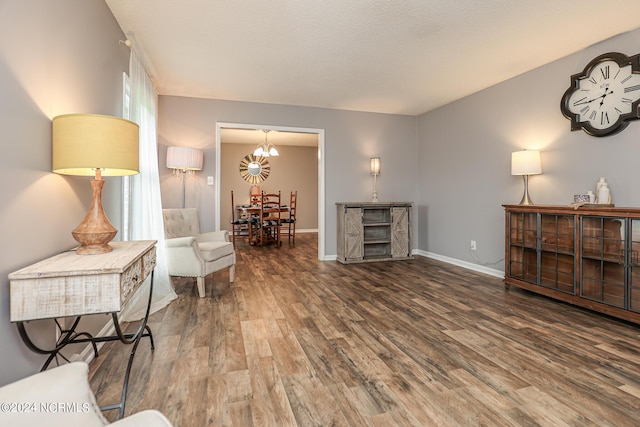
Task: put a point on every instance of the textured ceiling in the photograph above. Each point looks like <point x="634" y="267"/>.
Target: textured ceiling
<point x="388" y="56"/>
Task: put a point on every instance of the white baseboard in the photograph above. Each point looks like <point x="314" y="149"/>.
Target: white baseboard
<point x="449" y="260"/>
<point x="306" y="230"/>
<point x="460" y="263"/>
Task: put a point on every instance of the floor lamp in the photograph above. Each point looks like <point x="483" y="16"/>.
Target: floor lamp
<point x="183" y="161"/>
<point x="525" y="163"/>
<point x="94" y="145"/>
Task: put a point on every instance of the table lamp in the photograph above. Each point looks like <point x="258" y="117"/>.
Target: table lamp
<point x="94" y="145"/>
<point x="525" y="163"/>
<point x="183" y="161"/>
<point x="375" y="171"/>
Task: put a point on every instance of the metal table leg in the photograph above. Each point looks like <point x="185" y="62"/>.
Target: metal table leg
<point x="70" y="336"/>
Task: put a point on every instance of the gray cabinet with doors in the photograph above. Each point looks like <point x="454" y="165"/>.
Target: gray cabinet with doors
<point x="372" y="231"/>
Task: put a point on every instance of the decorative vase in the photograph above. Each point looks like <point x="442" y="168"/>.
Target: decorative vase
<point x="601" y="181"/>
<point x="604" y="195"/>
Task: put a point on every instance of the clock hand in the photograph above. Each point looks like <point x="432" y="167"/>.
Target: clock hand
<point x="603" y="96"/>
<point x="594" y="99"/>
<point x="588" y="100"/>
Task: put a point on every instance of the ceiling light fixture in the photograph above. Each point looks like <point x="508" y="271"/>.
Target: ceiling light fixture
<point x="266" y="149"/>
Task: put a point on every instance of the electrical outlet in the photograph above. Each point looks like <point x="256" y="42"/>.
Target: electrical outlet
<point x="473" y="245"/>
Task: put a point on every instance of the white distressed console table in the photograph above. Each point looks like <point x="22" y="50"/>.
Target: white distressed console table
<point x="72" y="285"/>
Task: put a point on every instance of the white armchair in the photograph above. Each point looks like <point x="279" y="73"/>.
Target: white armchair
<point x="194" y="254"/>
<point x="62" y="397"/>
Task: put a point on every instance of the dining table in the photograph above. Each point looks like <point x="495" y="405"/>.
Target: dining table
<point x="254" y="211"/>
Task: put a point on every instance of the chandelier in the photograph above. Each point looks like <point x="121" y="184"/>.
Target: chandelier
<point x="266" y="149"/>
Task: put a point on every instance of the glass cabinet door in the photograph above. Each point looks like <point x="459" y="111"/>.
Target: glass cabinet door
<point x="603" y="243"/>
<point x="542" y="249"/>
<point x="634" y="266"/>
<point x="557" y="252"/>
<point x="523" y="258"/>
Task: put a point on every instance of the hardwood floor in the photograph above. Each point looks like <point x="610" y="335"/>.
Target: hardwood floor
<point x="295" y="341"/>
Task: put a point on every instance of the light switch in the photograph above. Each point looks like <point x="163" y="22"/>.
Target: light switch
<point x="209" y="180"/>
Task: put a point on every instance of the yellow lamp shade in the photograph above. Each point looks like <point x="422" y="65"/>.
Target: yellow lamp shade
<point x="83" y="143"/>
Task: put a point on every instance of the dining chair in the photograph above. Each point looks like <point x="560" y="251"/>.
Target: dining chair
<point x="239" y="224"/>
<point x="270" y="208"/>
<point x="290" y="222"/>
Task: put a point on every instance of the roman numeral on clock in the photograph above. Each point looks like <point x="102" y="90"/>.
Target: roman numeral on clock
<point x="605" y="72"/>
<point x="631" y="88"/>
<point x="604" y="118"/>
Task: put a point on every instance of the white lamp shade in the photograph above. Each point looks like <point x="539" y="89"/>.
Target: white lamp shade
<point x="82" y="143"/>
<point x="268" y="150"/>
<point x="272" y="151"/>
<point x="526" y="162"/>
<point x="375" y="166"/>
<point x="184" y="158"/>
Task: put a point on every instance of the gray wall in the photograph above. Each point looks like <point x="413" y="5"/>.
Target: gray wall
<point x="351" y="138"/>
<point x="465" y="157"/>
<point x="55" y="58"/>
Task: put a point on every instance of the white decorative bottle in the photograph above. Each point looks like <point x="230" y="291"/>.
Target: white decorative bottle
<point x="604" y="195"/>
<point x="601" y="181"/>
<point x="592" y="197"/>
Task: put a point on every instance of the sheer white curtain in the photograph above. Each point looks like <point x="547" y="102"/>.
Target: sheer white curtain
<point x="145" y="201"/>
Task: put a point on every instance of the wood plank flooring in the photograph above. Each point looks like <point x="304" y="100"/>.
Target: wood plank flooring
<point x="299" y="342"/>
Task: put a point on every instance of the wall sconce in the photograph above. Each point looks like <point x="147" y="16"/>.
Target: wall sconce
<point x="375" y="171"/>
<point x="183" y="161"/>
<point x="525" y="163"/>
<point x="94" y="145"/>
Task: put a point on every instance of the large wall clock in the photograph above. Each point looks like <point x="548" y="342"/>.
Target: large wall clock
<point x="603" y="98"/>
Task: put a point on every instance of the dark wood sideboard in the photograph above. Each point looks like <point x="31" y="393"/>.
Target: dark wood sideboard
<point x="586" y="256"/>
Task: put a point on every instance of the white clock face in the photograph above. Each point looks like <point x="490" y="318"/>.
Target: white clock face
<point x="605" y="95"/>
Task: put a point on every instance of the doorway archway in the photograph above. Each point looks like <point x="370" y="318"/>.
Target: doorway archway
<point x="321" y="172"/>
